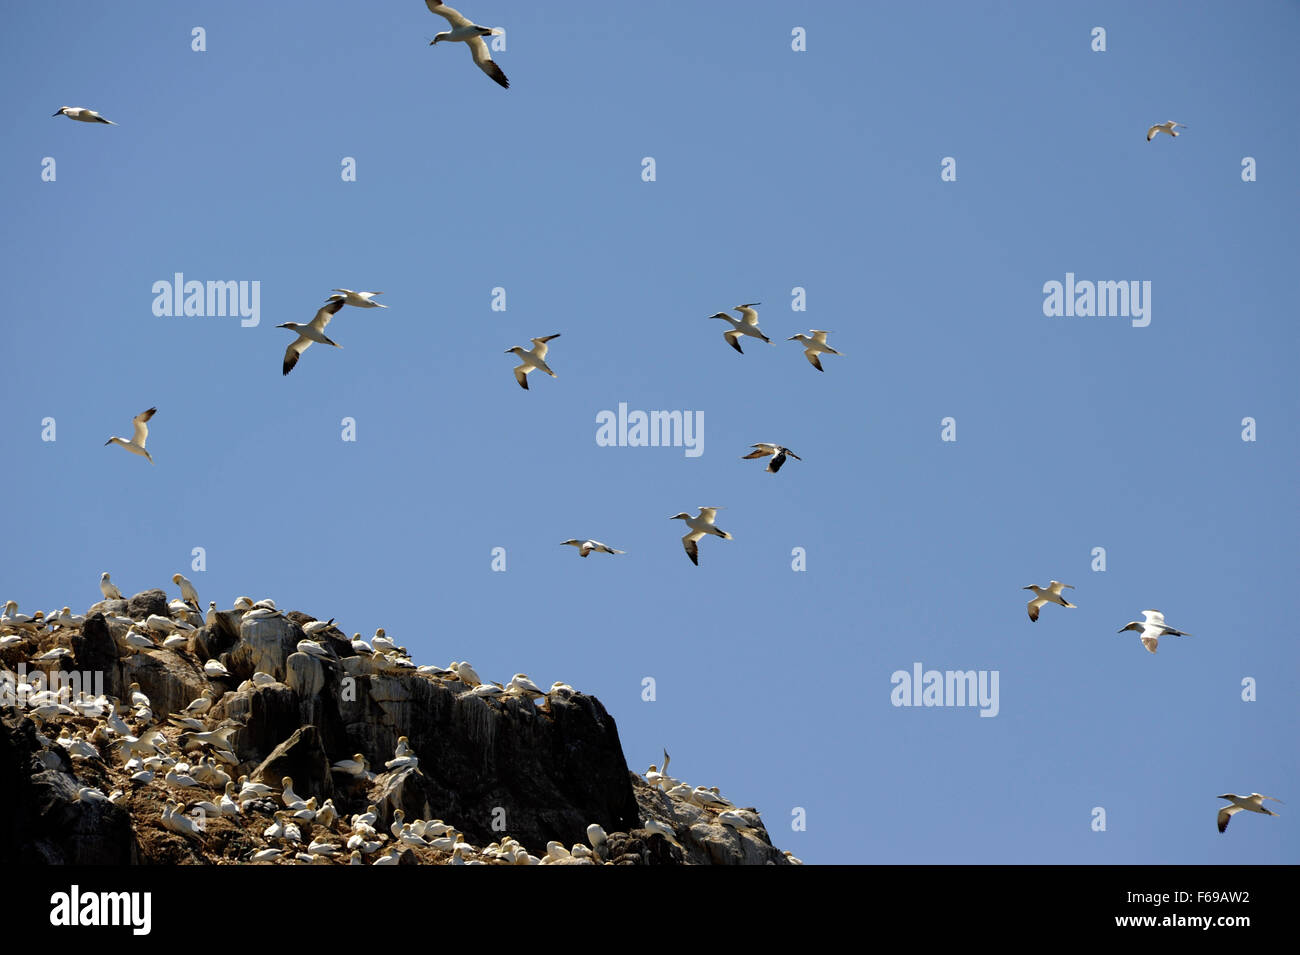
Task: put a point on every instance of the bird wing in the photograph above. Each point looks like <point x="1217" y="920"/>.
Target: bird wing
<point x="1154" y="616"/>
<point x="479" y="49"/>
<point x="450" y="14"/>
<point x="521" y="376"/>
<point x="324" y="314"/>
<point x="733" y="337"/>
<point x="775" y="464"/>
<point x="1151" y="134"/>
<point x="540" y="348"/>
<point x="692" y="549"/>
<point x="1150" y="639"/>
<point x="819" y="336"/>
<point x="708" y="514"/>
<point x="141" y="432"/>
<point x="291" y="353"/>
<point x="748" y="315"/>
<point x="813" y="360"/>
<point x="760" y="453"/>
<point x="1225" y="814"/>
<point x="1034" y="606"/>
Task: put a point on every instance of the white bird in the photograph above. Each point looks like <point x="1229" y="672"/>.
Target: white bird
<point x="466" y="673"/>
<point x="81" y="114"/>
<point x="488" y="691"/>
<point x="66" y="618"/>
<point x="465" y="31"/>
<point x="12" y="618"/>
<point x="356" y="299"/>
<point x="382" y="641"/>
<point x="586" y="547"/>
<point x="266" y="855"/>
<point x="746" y="325"/>
<point x="700" y="525"/>
<point x="317" y="626"/>
<point x="201" y="705"/>
<point x="230" y="801"/>
<point x="91" y="794"/>
<point x="654" y="825"/>
<point x="524" y="686"/>
<point x="356" y="766"/>
<point x="1051" y="594"/>
<point x="175" y="641"/>
<point x="775" y="451"/>
<point x="814" y="346"/>
<point x="1252" y="803"/>
<point x="536" y="358"/>
<point x="137" y="696"/>
<point x="214" y="670"/>
<point x="313" y="331"/>
<point x="1152" y="629"/>
<point x="314" y="649"/>
<point x="735" y="819"/>
<point x="243" y="603"/>
<point x="139" y="436"/>
<point x="596" y="835"/>
<point x="188" y="593"/>
<point x="1165" y="128"/>
<point x="291" y="798"/>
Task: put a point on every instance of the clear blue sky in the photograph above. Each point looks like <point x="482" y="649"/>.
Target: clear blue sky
<point x="775" y="170"/>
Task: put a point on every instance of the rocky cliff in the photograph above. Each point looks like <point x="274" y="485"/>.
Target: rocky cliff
<point x="129" y="762"/>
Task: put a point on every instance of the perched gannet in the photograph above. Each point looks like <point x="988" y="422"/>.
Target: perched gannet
<point x="291" y="798"/>
<point x="313" y="331"/>
<point x="735" y="819"/>
<point x="360" y="646"/>
<point x="215" y="671"/>
<point x="381" y="641"/>
<point x="403" y="747"/>
<point x="91" y="794"/>
<point x="188" y="593"/>
<point x="488" y="691"/>
<point x="201" y="705"/>
<point x="1051" y="594"/>
<point x="314" y="649"/>
<point x="790" y="856"/>
<point x="587" y="546"/>
<point x="465" y="31"/>
<point x="266" y="855"/>
<point x="596" y="835"/>
<point x="747" y="325"/>
<point x="523" y="686"/>
<point x="230" y="802"/>
<point x="699" y="525"/>
<point x="138" y="437"/>
<point x="137" y="696"/>
<point x="356" y="766"/>
<point x="12" y="618"/>
<point x="814" y="346"/>
<point x="1252" y="803"/>
<point x="356" y="299"/>
<point x="655" y="826"/>
<point x="175" y="641"/>
<point x="327" y="813"/>
<point x="317" y="626"/>
<point x="466" y="673"/>
<point x="1152" y="629"/>
<point x="1165" y="128"/>
<point x="777" y="453"/>
<point x="81" y="114"/>
<point x="243" y="603"/>
<point x="536" y="358"/>
<point x="66" y="618"/>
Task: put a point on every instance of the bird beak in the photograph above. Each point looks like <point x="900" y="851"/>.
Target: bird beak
<point x="59" y="113"/>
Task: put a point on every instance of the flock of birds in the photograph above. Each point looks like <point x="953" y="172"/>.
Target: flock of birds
<point x="1150" y="629"/>
<point x="187" y="759"/>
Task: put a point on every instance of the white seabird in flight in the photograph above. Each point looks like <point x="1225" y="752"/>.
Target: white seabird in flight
<point x="1164" y="128"/>
<point x="1152" y="629"/>
<point x="699" y="525"/>
<point x="536" y="358"/>
<point x="465" y="31"/>
<point x="777" y="453"/>
<point x="84" y="115"/>
<point x="139" y="435"/>
<point x="1051" y="594"/>
<point x="586" y="547"/>
<point x="356" y="299"/>
<point x="313" y="331"/>
<point x="746" y="325"/>
<point x="1252" y="803"/>
<point x="814" y="346"/>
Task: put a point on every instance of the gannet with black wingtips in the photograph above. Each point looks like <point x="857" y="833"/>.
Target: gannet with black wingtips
<point x="81" y="114"/>
<point x="1051" y="594"/>
<point x="1152" y="629"/>
<point x="139" y="435"/>
<point x="1252" y="803"/>
<point x="1164" y="128"/>
<point x="775" y="451"/>
<point x="356" y="299"/>
<point x="536" y="358"/>
<point x="747" y="324"/>
<point x="814" y="346"/>
<point x="313" y="331"/>
<point x="587" y="546"/>
<point x="466" y="31"/>
<point x="699" y="525"/>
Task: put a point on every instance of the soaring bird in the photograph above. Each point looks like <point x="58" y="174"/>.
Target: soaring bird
<point x="747" y="325"/>
<point x="463" y="30"/>
<point x="586" y="547"/>
<point x="1252" y="803"/>
<point x="1051" y="594"/>
<point x="139" y="435"/>
<point x="83" y="115"/>
<point x="814" y="346"/>
<point x="699" y="525"/>
<point x="356" y="299"/>
<point x="313" y="331"/>
<point x="775" y="451"/>
<point x="1152" y="629"/>
<point x="536" y="358"/>
<point x="1163" y="128"/>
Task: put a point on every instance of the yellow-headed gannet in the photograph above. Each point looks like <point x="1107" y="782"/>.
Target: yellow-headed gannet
<point x="188" y="593"/>
<point x="655" y="826"/>
<point x="699" y="525"/>
<point x="1051" y="594"/>
<point x="313" y="331"/>
<point x="747" y="325"/>
<point x="1165" y="128"/>
<point x="139" y="435"/>
<point x="814" y="346"/>
<point x="1252" y="803"/>
<point x="536" y="358"/>
<point x="465" y="31"/>
<point x="1152" y="629"/>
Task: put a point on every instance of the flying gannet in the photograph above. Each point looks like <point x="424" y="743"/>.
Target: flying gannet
<point x="536" y="358"/>
<point x="746" y="325"/>
<point x="356" y="299"/>
<point x="465" y="31"/>
<point x="313" y="331"/>
<point x="814" y="346"/>
<point x="1152" y="629"/>
<point x="777" y="453"/>
<point x="587" y="546"/>
<point x="699" y="525"/>
<point x="1051" y="594"/>
<point x="1252" y="803"/>
<point x="1164" y="128"/>
<point x="81" y="114"/>
<point x="139" y="436"/>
